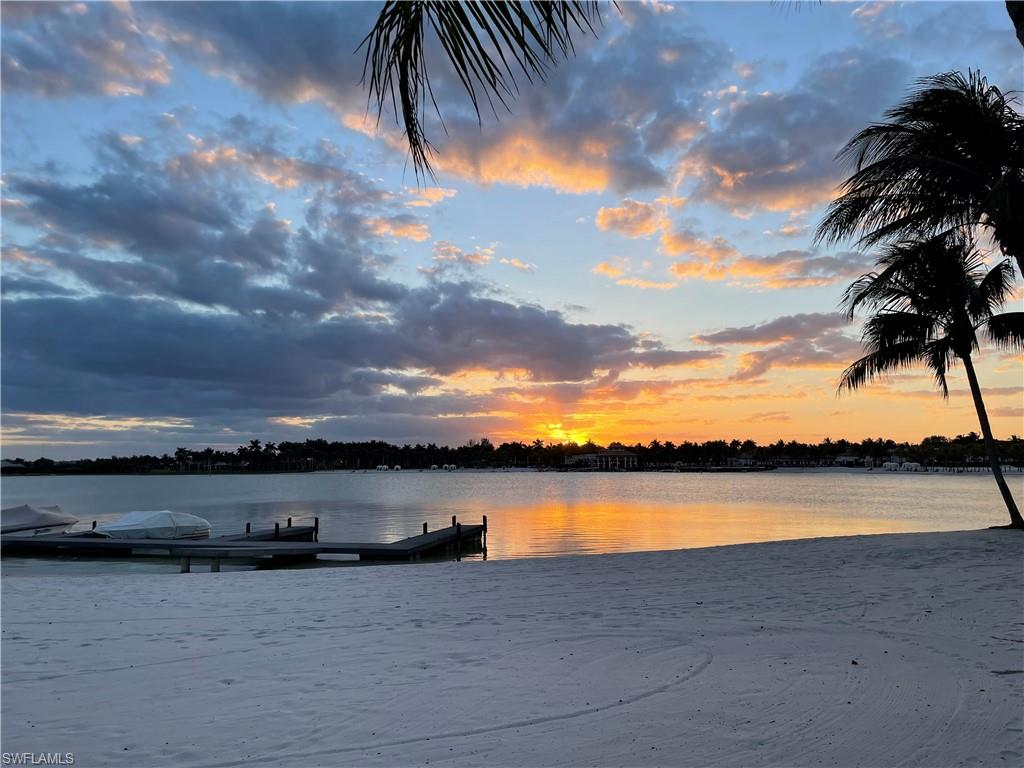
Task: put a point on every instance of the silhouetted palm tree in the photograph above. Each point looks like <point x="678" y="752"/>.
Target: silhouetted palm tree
<point x="487" y="43"/>
<point x="931" y="298"/>
<point x="950" y="156"/>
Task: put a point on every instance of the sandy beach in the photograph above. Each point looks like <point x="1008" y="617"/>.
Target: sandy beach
<point x="861" y="651"/>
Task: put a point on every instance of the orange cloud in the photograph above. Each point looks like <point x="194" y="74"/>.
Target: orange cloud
<point x="401" y="227"/>
<point x="635" y="282"/>
<point x="632" y="219"/>
<point x="607" y="269"/>
<point x="524" y="160"/>
<point x="522" y="266"/>
<point x="427" y="196"/>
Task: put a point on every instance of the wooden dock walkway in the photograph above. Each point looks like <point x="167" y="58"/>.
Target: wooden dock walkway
<point x="277" y="546"/>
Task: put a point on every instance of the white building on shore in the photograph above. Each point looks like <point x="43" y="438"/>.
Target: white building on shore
<point x="611" y="458"/>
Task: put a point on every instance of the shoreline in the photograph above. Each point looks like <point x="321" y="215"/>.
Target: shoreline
<point x="727" y="655"/>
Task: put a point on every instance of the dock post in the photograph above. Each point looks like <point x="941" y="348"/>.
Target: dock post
<point x="458" y="541"/>
<point x="316" y="529"/>
<point x="248" y="527"/>
<point x="424" y="527"/>
<point x="289" y="522"/>
<point x="453" y="521"/>
<point x="215" y="565"/>
<point x="94" y="525"/>
<point x="484" y="535"/>
<point x="277" y="530"/>
<point x="186" y="565"/>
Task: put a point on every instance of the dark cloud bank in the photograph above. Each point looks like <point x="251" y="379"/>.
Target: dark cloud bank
<point x="153" y="289"/>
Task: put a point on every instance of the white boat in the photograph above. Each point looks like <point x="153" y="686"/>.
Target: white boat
<point x="34" y="521"/>
<point x="156" y="524"/>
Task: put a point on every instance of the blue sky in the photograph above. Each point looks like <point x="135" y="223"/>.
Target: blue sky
<point x="206" y="239"/>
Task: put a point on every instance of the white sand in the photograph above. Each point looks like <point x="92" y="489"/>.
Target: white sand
<point x="736" y="656"/>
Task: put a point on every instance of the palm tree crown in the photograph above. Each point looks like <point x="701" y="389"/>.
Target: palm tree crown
<point x="950" y="156"/>
<point x="931" y="298"/>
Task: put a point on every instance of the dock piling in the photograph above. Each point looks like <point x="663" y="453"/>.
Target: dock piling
<point x="186" y="564"/>
<point x="94" y="525"/>
<point x="316" y="529"/>
<point x="458" y="542"/>
<point x="424" y="527"/>
<point x="453" y="521"/>
<point x="215" y="565"/>
<point x="248" y="527"/>
<point x="277" y="530"/>
<point x="289" y="522"/>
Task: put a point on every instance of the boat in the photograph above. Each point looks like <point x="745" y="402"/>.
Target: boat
<point x="35" y="521"/>
<point x="156" y="524"/>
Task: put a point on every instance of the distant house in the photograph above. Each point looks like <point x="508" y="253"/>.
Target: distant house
<point x="611" y="458"/>
<point x="743" y="460"/>
<point x="847" y="460"/>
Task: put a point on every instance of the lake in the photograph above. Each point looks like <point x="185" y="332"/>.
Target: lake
<point x="540" y="514"/>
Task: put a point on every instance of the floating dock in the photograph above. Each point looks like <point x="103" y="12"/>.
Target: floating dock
<point x="275" y="547"/>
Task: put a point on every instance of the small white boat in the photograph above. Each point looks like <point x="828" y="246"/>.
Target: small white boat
<point x="34" y="521"/>
<point x="156" y="524"/>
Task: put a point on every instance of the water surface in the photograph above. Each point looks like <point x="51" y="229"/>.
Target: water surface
<point x="541" y="514"/>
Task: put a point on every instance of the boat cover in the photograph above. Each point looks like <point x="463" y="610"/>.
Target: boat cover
<point x="156" y="524"/>
<point x="26" y="518"/>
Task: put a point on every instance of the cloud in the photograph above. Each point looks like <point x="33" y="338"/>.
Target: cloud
<point x="447" y="253"/>
<point x="400" y="226"/>
<point x="648" y="285"/>
<point x="785" y="328"/>
<point x="632" y="219"/>
<point x="830" y="350"/>
<point x="150" y="289"/>
<point x="62" y="50"/>
<point x="775" y="150"/>
<point x="559" y="135"/>
<point x="427" y="197"/>
<point x="810" y="340"/>
<point x="608" y="269"/>
<point x="770" y="416"/>
<point x="685" y="242"/>
<point x="800" y="269"/>
<point x="518" y="264"/>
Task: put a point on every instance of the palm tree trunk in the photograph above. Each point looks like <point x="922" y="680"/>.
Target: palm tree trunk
<point x="1016" y="521"/>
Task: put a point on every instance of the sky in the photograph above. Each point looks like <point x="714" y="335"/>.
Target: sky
<point x="207" y="238"/>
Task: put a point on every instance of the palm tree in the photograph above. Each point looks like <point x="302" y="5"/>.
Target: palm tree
<point x="931" y="298"/>
<point x="950" y="156"/>
<point x="486" y="42"/>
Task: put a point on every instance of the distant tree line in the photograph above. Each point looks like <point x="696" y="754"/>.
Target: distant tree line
<point x="312" y="455"/>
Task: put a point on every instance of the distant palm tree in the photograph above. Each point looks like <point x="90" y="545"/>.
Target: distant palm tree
<point x="486" y="42"/>
<point x="931" y="298"/>
<point x="950" y="156"/>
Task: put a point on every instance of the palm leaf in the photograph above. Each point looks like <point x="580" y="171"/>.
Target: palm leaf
<point x="487" y="43"/>
<point x="993" y="291"/>
<point x="1007" y="330"/>
<point x="880" y="362"/>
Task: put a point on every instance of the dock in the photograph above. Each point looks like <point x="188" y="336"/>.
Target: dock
<point x="281" y="545"/>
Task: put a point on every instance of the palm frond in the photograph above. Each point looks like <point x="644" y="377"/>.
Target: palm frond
<point x="993" y="291"/>
<point x="947" y="157"/>
<point x="487" y="43"/>
<point x="880" y="362"/>
<point x="940" y="357"/>
<point x="1007" y="330"/>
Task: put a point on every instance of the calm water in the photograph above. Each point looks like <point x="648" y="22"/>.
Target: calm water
<point x="543" y="514"/>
